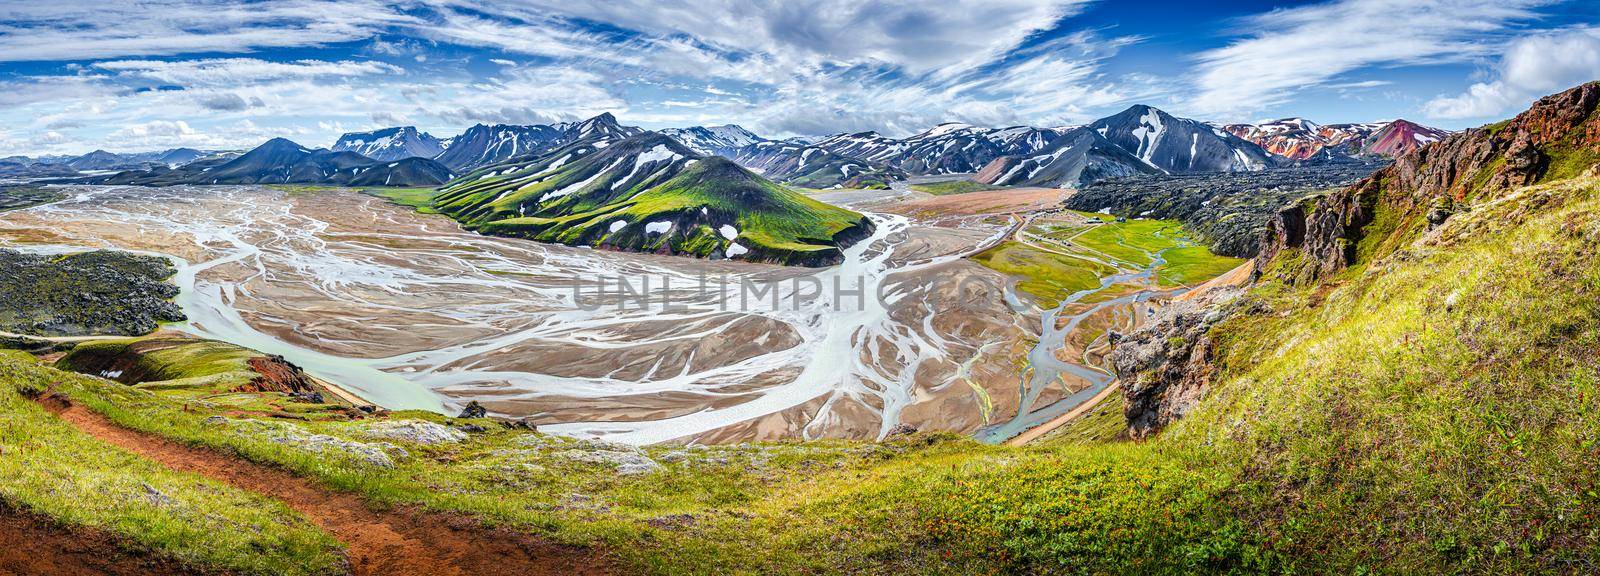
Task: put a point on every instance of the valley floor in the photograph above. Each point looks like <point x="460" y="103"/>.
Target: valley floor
<point x="1433" y="411"/>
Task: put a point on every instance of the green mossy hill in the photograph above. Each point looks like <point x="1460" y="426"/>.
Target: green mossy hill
<point x="214" y="372"/>
<point x="623" y="197"/>
<point x="101" y="292"/>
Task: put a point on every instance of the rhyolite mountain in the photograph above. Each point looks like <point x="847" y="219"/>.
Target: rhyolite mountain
<point x="1400" y="137"/>
<point x="281" y="161"/>
<point x="650" y="193"/>
<point x="483" y="145"/>
<point x="390" y="143"/>
<point x="725" y="140"/>
<point x="1301" y="139"/>
<point x="810" y="166"/>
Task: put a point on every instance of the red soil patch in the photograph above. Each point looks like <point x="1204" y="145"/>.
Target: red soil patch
<point x="396" y="542"/>
<point x="33" y="545"/>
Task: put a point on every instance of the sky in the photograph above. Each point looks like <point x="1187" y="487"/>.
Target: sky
<point x="227" y="74"/>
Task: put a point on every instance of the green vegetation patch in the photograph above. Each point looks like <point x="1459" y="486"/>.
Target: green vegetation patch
<point x="51" y="468"/>
<point x="1046" y="276"/>
<point x="19" y="197"/>
<point x="420" y="199"/>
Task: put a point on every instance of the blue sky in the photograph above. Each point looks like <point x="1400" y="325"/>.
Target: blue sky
<point x="77" y="75"/>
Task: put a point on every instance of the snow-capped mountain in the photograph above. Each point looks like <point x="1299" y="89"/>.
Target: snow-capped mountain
<point x="1179" y="145"/>
<point x="1079" y="156"/>
<point x="390" y="143"/>
<point x="483" y="145"/>
<point x="281" y="161"/>
<point x="725" y="140"/>
<point x="813" y="166"/>
<point x="948" y="148"/>
<point x="649" y="192"/>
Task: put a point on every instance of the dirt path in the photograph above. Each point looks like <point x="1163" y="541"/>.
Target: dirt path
<point x="388" y="543"/>
<point x="33" y="546"/>
<point x="1036" y="432"/>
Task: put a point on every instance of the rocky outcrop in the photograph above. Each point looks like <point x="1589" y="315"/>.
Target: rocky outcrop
<point x="90" y="293"/>
<point x="1165" y="367"/>
<point x="277" y="374"/>
<point x="1342" y="227"/>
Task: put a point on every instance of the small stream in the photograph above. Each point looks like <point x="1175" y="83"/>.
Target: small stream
<point x="1045" y="369"/>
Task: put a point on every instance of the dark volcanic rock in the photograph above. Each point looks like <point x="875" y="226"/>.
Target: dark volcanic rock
<point x="101" y="292"/>
<point x="1227" y="210"/>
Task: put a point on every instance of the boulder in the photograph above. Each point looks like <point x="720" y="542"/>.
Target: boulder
<point x="416" y="431"/>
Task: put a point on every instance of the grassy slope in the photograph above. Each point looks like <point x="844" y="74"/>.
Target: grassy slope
<point x="50" y="468"/>
<point x="189" y="369"/>
<point x="771" y="219"/>
<point x="1432" y="412"/>
<point x="420" y="199"/>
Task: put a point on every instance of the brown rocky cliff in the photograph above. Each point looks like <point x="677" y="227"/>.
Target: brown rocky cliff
<point x="1465" y="167"/>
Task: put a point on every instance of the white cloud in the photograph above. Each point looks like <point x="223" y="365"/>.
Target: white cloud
<point x="80" y="29"/>
<point x="1531" y="67"/>
<point x="229" y="72"/>
<point x="1293" y="49"/>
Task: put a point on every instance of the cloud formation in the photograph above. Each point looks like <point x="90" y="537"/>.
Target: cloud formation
<point x="1530" y="68"/>
<point x="1285" y="52"/>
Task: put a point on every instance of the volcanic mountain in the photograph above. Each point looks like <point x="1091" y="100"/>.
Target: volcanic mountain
<point x="814" y="166"/>
<point x="483" y="145"/>
<point x="1180" y="145"/>
<point x="390" y="144"/>
<point x="725" y="140"/>
<point x="650" y="193"/>
<point x="1080" y="156"/>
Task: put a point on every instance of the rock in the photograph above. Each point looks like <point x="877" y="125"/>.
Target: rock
<point x="901" y="430"/>
<point x="474" y="410"/>
<point x="416" y="431"/>
<point x="155" y="496"/>
<point x="1164" y="367"/>
<point x="294" y="436"/>
<point x="627" y="463"/>
<point x="472" y="428"/>
<point x="215" y="421"/>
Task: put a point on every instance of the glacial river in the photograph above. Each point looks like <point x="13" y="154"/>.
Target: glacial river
<point x="312" y="282"/>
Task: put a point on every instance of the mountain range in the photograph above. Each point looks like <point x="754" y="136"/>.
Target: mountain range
<point x="281" y="161"/>
<point x="1301" y="139"/>
<point x="1138" y="140"/>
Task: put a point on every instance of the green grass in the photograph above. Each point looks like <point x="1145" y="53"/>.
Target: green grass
<point x="775" y="223"/>
<point x="1191" y="265"/>
<point x="50" y="468"/>
<point x="190" y="370"/>
<point x="1047" y="276"/>
<point x="953" y="187"/>
<point x="420" y="199"/>
<point x="1128" y="241"/>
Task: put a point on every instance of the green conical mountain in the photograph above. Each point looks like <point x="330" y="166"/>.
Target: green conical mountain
<point x="650" y="193"/>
